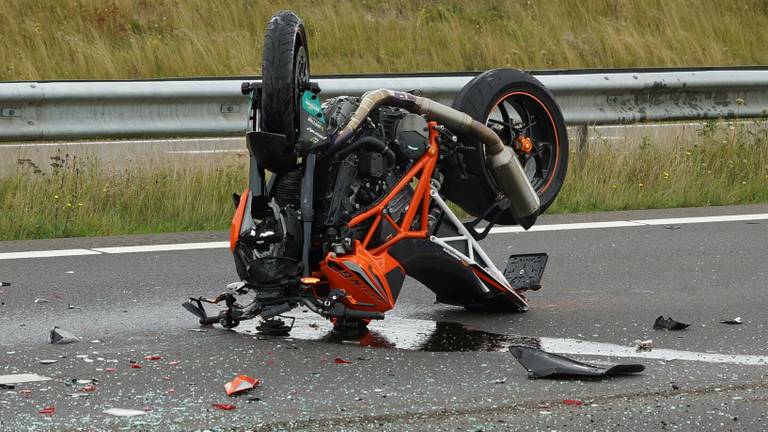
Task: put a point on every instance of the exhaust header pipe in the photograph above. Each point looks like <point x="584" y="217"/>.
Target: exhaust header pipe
<point x="501" y="161"/>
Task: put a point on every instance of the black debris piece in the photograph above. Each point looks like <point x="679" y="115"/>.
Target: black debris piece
<point x="541" y="364"/>
<point x="672" y="227"/>
<point x="60" y="336"/>
<point x="5" y="284"/>
<point x="736" y="320"/>
<point x="669" y="324"/>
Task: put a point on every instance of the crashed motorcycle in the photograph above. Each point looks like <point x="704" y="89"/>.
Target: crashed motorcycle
<point x="348" y="196"/>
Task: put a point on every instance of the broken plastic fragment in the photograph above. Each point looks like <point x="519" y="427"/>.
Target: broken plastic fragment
<point x="60" y="336"/>
<point x="224" y="406"/>
<point x="88" y="389"/>
<point x="152" y="357"/>
<point x="41" y="300"/>
<point x="135" y="366"/>
<point x="48" y="361"/>
<point x="643" y="345"/>
<point x="573" y="402"/>
<point x="25" y="393"/>
<point x="123" y="412"/>
<point x="541" y="364"/>
<point x="5" y="284"/>
<point x="21" y="378"/>
<point x="339" y="360"/>
<point x="109" y="369"/>
<point x="240" y="384"/>
<point x="51" y="410"/>
<point x="669" y="324"/>
<point x="736" y="320"/>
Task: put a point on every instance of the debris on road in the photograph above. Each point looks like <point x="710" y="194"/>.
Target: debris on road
<point x="5" y="284"/>
<point x="41" y="300"/>
<point x="48" y="361"/>
<point x="541" y="364"/>
<point x="501" y="381"/>
<point x="198" y="330"/>
<point x="51" y="410"/>
<point x="672" y="227"/>
<point x="135" y="366"/>
<point x="240" y="384"/>
<point x="124" y="412"/>
<point x="224" y="406"/>
<point x="736" y="320"/>
<point x="21" y="378"/>
<point x="152" y="357"/>
<point x="339" y="360"/>
<point x="669" y="324"/>
<point x="573" y="402"/>
<point x="60" y="336"/>
<point x="643" y="345"/>
<point x="71" y="306"/>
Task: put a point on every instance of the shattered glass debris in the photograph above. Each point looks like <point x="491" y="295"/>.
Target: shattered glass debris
<point x="541" y="364"/>
<point x="662" y="323"/>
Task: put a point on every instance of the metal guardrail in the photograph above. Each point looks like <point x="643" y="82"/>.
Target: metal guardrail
<point x="215" y="106"/>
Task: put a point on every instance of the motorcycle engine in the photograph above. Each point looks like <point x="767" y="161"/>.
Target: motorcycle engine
<point x="369" y="166"/>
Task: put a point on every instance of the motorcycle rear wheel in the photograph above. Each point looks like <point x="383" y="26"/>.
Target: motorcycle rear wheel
<point x="515" y="104"/>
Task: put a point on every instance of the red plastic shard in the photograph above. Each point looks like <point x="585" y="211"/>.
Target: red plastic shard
<point x="135" y="366"/>
<point x="109" y="370"/>
<point x="224" y="406"/>
<point x="573" y="402"/>
<point x="51" y="410"/>
<point x="339" y="360"/>
<point x="152" y="357"/>
<point x="89" y="389"/>
<point x="240" y="384"/>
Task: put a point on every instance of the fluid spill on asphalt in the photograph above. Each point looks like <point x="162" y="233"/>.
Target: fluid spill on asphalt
<point x="426" y="335"/>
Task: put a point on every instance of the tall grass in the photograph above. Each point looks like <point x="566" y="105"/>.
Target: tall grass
<point x="79" y="197"/>
<point x="44" y="39"/>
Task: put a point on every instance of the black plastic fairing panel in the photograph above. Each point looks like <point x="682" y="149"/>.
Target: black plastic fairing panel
<point x="452" y="281"/>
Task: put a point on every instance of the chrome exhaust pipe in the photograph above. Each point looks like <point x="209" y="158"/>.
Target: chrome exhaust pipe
<point x="505" y="168"/>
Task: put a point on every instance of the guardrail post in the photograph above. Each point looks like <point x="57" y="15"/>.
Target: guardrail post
<point x="582" y="138"/>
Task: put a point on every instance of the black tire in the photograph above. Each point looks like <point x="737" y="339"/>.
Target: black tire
<point x="522" y="92"/>
<point x="284" y="72"/>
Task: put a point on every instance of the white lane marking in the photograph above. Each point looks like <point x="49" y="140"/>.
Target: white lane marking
<point x="47" y="253"/>
<point x="162" y="247"/>
<point x="415" y="334"/>
<point x="205" y="151"/>
<point x="582" y="347"/>
<point x="632" y="223"/>
<point x="21" y="378"/>
<point x="122" y="142"/>
<point x="497" y="230"/>
<point x="702" y="219"/>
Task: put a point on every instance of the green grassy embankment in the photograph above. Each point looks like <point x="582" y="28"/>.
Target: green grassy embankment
<point x="102" y="39"/>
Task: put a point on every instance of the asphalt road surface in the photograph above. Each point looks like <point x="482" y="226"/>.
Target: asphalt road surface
<point x="427" y="366"/>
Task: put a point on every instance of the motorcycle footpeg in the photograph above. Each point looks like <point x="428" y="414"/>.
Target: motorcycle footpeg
<point x="524" y="272"/>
